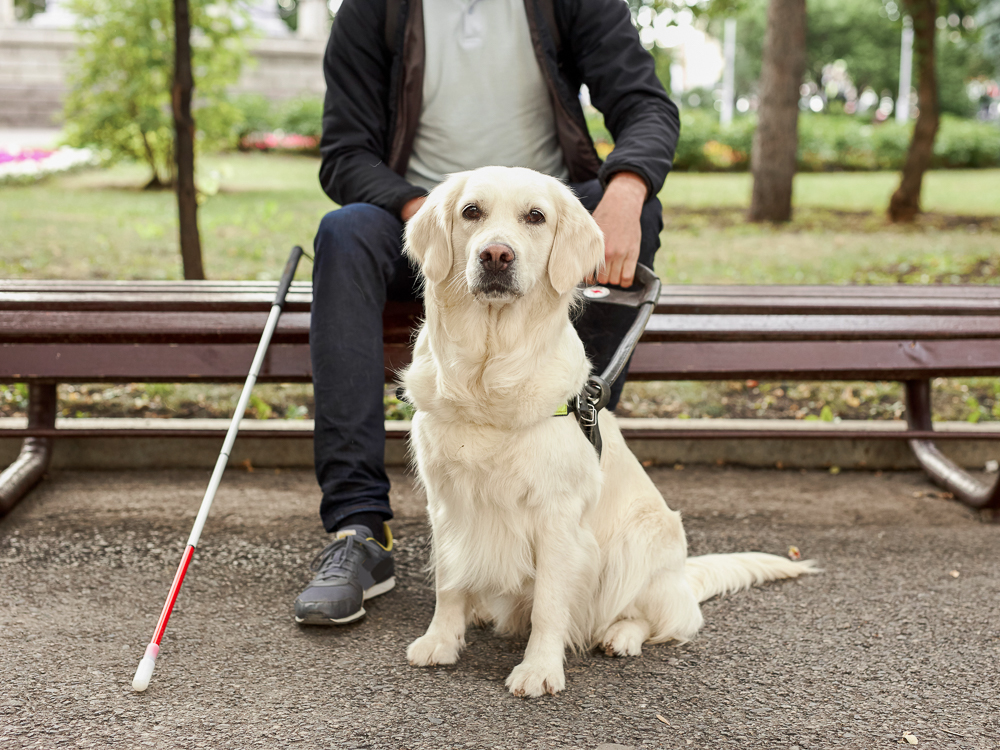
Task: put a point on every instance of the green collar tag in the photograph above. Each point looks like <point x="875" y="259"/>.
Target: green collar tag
<point x="562" y="411"/>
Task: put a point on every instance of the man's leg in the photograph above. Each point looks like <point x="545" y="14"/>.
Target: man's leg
<point x="601" y="326"/>
<point x="358" y="264"/>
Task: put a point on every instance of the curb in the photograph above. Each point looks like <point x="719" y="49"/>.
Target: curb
<point x="294" y="448"/>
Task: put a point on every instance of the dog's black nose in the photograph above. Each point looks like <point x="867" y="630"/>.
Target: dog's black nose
<point x="496" y="257"/>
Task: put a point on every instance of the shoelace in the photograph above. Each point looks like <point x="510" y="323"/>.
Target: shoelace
<point x="333" y="555"/>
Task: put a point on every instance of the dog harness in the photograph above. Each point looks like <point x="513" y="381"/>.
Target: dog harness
<point x="587" y="404"/>
<point x="595" y="395"/>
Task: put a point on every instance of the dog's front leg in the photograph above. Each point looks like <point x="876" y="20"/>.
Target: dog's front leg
<point x="445" y="637"/>
<point x="559" y="573"/>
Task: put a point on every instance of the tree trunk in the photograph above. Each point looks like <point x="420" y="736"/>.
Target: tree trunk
<point x="187" y="198"/>
<point x="905" y="202"/>
<point x="776" y="141"/>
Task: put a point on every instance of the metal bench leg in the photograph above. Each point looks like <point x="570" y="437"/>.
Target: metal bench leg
<point x="942" y="471"/>
<point x="36" y="452"/>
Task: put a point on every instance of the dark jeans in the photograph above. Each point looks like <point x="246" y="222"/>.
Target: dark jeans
<point x="358" y="266"/>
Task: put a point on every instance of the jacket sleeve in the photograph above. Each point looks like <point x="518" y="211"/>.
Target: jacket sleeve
<point x="357" y="67"/>
<point x="621" y="77"/>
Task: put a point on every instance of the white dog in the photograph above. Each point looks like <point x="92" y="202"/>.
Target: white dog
<point x="531" y="531"/>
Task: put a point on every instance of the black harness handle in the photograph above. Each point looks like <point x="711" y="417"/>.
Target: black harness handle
<point x="643" y="295"/>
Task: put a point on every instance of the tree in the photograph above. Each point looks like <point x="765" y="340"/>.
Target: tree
<point x="988" y="19"/>
<point x="121" y="78"/>
<point x="187" y="198"/>
<point x="905" y="202"/>
<point x="775" y="142"/>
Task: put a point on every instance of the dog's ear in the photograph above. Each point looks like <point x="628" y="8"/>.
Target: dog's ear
<point x="578" y="246"/>
<point x="428" y="233"/>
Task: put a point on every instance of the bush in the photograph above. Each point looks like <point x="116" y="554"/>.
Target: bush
<point x="276" y="125"/>
<point x="834" y="143"/>
<point x="303" y="116"/>
<point x="966" y="143"/>
<point x="256" y="114"/>
<point x="121" y="78"/>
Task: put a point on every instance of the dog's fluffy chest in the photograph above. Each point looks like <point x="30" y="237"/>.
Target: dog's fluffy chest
<point x="487" y="467"/>
<point x="491" y="492"/>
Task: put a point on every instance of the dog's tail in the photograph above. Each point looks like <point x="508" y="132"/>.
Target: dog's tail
<point x="714" y="575"/>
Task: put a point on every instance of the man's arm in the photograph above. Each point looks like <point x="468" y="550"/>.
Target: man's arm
<point x="618" y="217"/>
<point x="621" y="78"/>
<point x="355" y="117"/>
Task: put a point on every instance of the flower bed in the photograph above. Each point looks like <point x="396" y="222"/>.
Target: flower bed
<point x="279" y="142"/>
<point x="29" y="165"/>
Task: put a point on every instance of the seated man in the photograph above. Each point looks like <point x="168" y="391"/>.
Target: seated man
<point x="417" y="89"/>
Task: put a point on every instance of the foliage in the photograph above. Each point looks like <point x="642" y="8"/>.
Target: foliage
<point x="121" y="79"/>
<point x="871" y="55"/>
<point x="256" y="114"/>
<point x="988" y="19"/>
<point x="288" y="10"/>
<point x="966" y="143"/>
<point x="959" y="58"/>
<point x="648" y="15"/>
<point x="25" y="9"/>
<point x="302" y="116"/>
<point x="828" y="142"/>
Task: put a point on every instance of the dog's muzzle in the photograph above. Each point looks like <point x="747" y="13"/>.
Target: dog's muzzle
<point x="496" y="278"/>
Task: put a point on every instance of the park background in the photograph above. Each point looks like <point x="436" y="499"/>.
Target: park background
<point x="86" y="171"/>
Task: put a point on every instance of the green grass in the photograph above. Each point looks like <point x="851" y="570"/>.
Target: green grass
<point x="100" y="224"/>
<point x="821" y="248"/>
<point x="962" y="192"/>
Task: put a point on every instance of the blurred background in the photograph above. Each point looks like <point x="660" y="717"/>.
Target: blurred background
<point x="87" y="165"/>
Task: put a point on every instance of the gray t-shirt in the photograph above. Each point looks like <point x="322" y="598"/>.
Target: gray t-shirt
<point x="485" y="102"/>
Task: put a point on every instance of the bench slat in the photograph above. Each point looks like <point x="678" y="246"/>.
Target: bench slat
<point x="778" y="291"/>
<point x="737" y="360"/>
<point x="677" y="299"/>
<point x="185" y="327"/>
<point x="818" y="327"/>
<point x="175" y="327"/>
<point x="815" y="360"/>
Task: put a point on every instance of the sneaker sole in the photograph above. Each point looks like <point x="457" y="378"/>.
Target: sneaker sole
<point x="378" y="589"/>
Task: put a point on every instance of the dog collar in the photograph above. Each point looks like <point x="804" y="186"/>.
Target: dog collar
<point x="585" y="406"/>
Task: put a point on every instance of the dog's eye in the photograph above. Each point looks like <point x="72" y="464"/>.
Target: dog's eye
<point x="534" y="216"/>
<point x="471" y="212"/>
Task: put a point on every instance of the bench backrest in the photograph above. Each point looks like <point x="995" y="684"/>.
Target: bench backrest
<point x="183" y="331"/>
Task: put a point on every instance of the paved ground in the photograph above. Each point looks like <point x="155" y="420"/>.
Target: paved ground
<point x="887" y="641"/>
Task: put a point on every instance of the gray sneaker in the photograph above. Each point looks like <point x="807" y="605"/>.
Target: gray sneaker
<point x="351" y="568"/>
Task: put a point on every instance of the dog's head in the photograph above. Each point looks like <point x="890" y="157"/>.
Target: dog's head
<point x="505" y="232"/>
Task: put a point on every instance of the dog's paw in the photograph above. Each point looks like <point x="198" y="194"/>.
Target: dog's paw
<point x="624" y="638"/>
<point x="533" y="681"/>
<point x="429" y="650"/>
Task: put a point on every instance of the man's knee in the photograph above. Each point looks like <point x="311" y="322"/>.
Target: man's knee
<point x="359" y="233"/>
<point x="355" y="220"/>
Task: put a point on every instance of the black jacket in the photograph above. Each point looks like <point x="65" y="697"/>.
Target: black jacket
<point x="374" y="78"/>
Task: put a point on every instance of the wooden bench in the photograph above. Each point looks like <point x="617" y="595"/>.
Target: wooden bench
<point x="123" y="331"/>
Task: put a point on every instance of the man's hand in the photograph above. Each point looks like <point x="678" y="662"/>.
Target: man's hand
<point x="411" y="207"/>
<point x="618" y="217"/>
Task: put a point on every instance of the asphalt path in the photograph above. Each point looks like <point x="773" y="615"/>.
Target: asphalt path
<point x="899" y="635"/>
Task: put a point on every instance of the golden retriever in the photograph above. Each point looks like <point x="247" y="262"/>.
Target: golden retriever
<point x="531" y="531"/>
